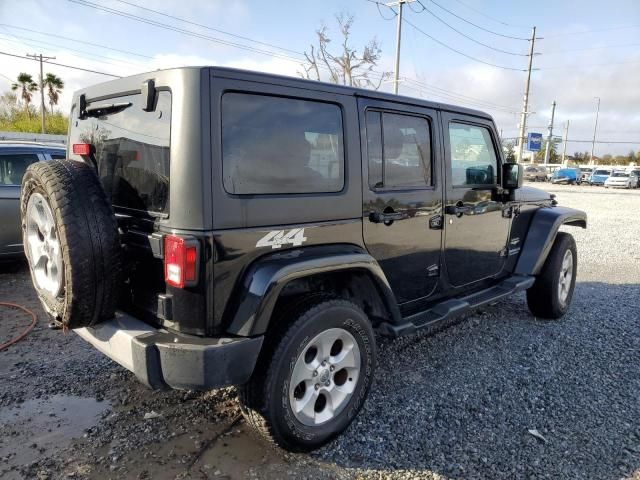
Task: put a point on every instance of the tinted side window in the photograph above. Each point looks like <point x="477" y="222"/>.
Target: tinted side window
<point x="13" y="167"/>
<point x="473" y="159"/>
<point x="276" y="145"/>
<point x="58" y="156"/>
<point x="132" y="151"/>
<point x="399" y="150"/>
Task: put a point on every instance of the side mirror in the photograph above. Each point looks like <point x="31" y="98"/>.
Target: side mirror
<point x="512" y="174"/>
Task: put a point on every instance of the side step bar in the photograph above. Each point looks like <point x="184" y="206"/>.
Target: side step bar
<point x="457" y="306"/>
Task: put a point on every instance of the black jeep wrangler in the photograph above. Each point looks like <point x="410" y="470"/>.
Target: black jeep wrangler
<point x="218" y="227"/>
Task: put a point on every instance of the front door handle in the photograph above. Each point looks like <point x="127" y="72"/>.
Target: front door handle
<point x="385" y="217"/>
<point x="458" y="209"/>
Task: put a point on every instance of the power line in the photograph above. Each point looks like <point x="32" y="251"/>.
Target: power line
<point x="395" y="14"/>
<point x="208" y="27"/>
<point x="454" y="100"/>
<point x="48" y="46"/>
<point x="469" y="37"/>
<point x="183" y="31"/>
<point x="61" y="65"/>
<point x="585" y="65"/>
<point x="461" y="96"/>
<point x="605" y="141"/>
<point x="622" y="45"/>
<point x="76" y="40"/>
<point x="462" y="53"/>
<point x="474" y="24"/>
<point x="580" y="32"/>
<point x="490" y="17"/>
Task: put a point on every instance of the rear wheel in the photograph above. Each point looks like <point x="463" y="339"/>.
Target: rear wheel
<point x="551" y="294"/>
<point x="313" y="375"/>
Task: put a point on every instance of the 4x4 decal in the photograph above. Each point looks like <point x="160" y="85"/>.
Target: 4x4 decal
<point x="277" y="238"/>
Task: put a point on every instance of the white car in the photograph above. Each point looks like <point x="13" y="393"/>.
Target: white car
<point x="621" y="180"/>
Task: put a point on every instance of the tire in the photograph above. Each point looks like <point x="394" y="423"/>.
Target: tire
<point x="71" y="241"/>
<point x="544" y="298"/>
<point x="267" y="399"/>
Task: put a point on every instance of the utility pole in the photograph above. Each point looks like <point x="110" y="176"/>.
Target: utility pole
<point x="396" y="72"/>
<point x="41" y="58"/>
<point x="595" y="128"/>
<point x="525" y="100"/>
<point x="564" y="147"/>
<point x="547" y="150"/>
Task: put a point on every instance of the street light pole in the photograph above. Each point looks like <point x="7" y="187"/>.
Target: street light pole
<point x="547" y="150"/>
<point x="38" y="56"/>
<point x="525" y="100"/>
<point x="396" y="71"/>
<point x="595" y="128"/>
<point x="564" y="148"/>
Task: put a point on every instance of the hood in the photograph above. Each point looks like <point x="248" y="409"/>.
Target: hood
<point x="617" y="179"/>
<point x="531" y="194"/>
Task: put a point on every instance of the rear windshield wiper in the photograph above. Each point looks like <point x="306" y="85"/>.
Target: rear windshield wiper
<point x="106" y="109"/>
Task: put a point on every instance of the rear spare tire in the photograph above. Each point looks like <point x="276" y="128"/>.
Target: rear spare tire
<point x="71" y="241"/>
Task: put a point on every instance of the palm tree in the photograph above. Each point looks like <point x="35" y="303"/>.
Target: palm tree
<point x="27" y="86"/>
<point x="54" y="86"/>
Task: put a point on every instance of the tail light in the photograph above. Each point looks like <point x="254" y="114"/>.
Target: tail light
<point x="81" y="149"/>
<point x="180" y="261"/>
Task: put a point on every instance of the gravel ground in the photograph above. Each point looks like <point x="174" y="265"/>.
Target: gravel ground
<point x="457" y="404"/>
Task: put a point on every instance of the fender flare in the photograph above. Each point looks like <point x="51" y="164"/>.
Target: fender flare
<point x="542" y="232"/>
<point x="260" y="287"/>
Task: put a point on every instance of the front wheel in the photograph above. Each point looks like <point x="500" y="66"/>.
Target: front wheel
<point x="551" y="294"/>
<point x="313" y="375"/>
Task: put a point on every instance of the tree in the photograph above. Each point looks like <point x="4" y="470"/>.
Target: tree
<point x="54" y="86"/>
<point x="582" y="158"/>
<point x="347" y="67"/>
<point x="509" y="151"/>
<point x="27" y="86"/>
<point x="553" y="154"/>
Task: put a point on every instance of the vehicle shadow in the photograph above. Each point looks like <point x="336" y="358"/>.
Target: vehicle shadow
<point x="462" y="403"/>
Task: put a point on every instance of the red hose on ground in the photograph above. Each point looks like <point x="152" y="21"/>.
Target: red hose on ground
<point x="23" y="334"/>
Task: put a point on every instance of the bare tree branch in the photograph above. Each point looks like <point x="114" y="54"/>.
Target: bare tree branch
<point x="348" y="67"/>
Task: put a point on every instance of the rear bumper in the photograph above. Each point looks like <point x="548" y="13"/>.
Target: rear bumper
<point x="161" y="359"/>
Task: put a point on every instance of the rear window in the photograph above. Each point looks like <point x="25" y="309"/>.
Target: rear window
<point x="13" y="167"/>
<point x="132" y="151"/>
<point x="277" y="145"/>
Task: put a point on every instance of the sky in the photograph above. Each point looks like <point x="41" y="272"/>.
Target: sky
<point x="588" y="49"/>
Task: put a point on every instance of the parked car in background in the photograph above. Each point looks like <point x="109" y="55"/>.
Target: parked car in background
<point x="621" y="179"/>
<point x="599" y="176"/>
<point x="585" y="174"/>
<point x="535" y="173"/>
<point x="550" y="170"/>
<point x="567" y="176"/>
<point x="15" y="157"/>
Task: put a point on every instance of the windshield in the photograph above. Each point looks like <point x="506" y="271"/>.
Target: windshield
<point x="601" y="172"/>
<point x="620" y="174"/>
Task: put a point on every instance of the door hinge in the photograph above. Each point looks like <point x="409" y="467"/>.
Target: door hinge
<point x="436" y="222"/>
<point x="433" y="270"/>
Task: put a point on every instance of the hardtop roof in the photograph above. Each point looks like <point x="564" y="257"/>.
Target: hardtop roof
<point x="124" y="85"/>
